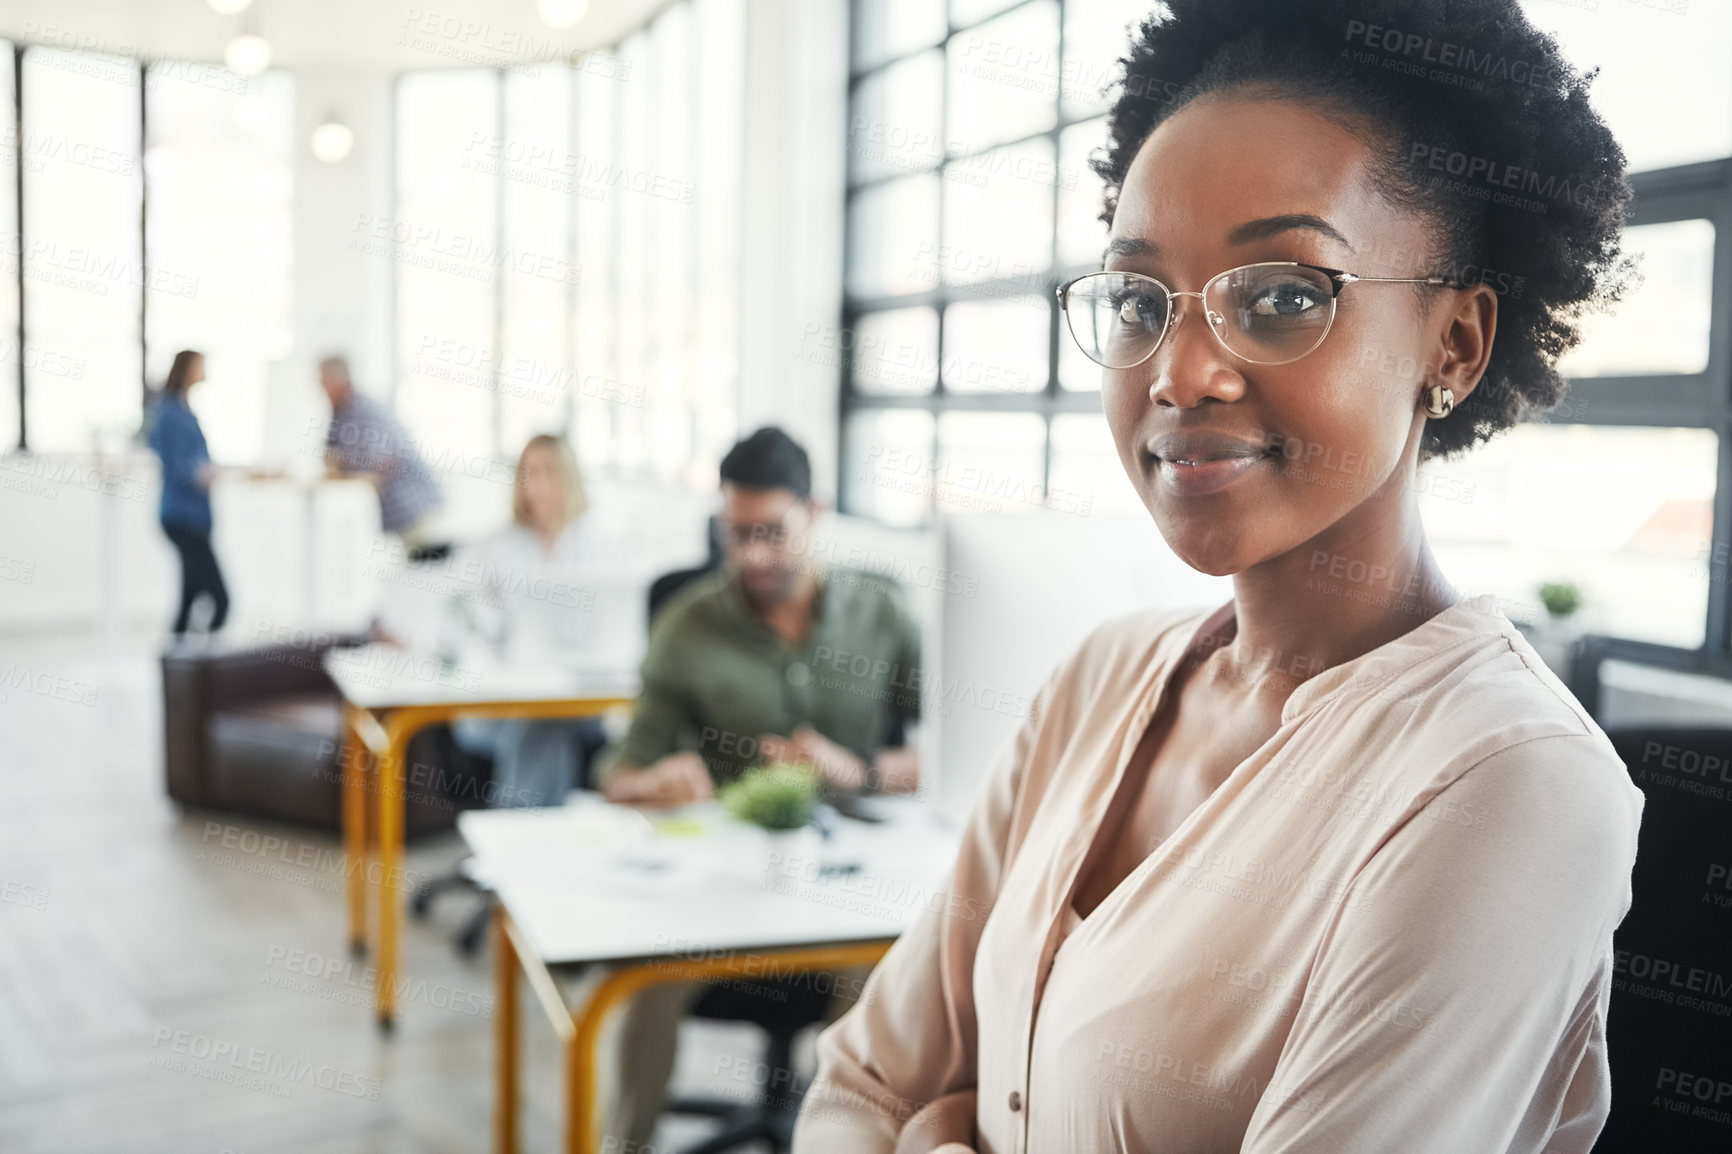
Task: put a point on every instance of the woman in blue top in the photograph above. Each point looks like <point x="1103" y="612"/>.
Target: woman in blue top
<point x="186" y="477"/>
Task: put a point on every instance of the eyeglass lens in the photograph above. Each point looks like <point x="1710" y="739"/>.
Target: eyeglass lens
<point x="1265" y="313"/>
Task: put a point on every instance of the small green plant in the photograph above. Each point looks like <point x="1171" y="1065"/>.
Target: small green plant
<point x="776" y="797"/>
<point x="1560" y="598"/>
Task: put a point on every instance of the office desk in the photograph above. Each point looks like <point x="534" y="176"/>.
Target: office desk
<point x="679" y="896"/>
<point x="390" y="695"/>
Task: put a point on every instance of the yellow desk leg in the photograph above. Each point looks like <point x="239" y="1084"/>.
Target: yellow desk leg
<point x="582" y="1057"/>
<point x="505" y="1038"/>
<point x="582" y="1047"/>
<point x="355" y="832"/>
<point x="582" y="1051"/>
<point x="390" y="773"/>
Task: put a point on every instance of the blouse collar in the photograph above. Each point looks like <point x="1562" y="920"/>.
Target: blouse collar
<point x="1472" y="619"/>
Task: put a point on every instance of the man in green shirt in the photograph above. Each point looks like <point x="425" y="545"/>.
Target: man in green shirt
<point x="773" y="657"/>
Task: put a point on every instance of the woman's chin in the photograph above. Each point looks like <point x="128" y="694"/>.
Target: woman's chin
<point x="1220" y="557"/>
<point x="1214" y="566"/>
<point x="1214" y="563"/>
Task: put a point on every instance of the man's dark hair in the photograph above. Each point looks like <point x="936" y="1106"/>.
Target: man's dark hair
<point x="1461" y="101"/>
<point x="769" y="459"/>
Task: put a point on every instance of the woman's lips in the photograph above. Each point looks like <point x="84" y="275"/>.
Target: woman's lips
<point x="1206" y="476"/>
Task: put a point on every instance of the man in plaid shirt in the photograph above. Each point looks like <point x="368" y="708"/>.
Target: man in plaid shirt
<point x="366" y="440"/>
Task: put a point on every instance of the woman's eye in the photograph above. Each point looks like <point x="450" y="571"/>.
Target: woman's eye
<point x="1284" y="300"/>
<point x="1136" y="308"/>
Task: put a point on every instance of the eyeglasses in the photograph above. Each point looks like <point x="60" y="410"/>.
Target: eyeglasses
<point x="1271" y="313"/>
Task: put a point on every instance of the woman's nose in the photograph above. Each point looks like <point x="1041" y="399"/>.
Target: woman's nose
<point x="1191" y="363"/>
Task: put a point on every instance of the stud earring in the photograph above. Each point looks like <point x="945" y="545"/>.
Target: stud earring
<point x="1439" y="401"/>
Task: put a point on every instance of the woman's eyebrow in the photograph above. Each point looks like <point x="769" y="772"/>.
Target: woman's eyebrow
<point x="1127" y="246"/>
<point x="1247" y="233"/>
<point x="1269" y="226"/>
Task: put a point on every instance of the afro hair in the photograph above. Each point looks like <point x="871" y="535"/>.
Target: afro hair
<point x="1477" y="121"/>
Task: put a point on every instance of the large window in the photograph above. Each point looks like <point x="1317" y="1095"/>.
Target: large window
<point x="970" y="198"/>
<point x="1621" y="490"/>
<point x="219" y="175"/>
<point x="445" y="236"/>
<point x="154" y="217"/>
<point x="11" y="348"/>
<point x="83" y="261"/>
<point x="567" y="250"/>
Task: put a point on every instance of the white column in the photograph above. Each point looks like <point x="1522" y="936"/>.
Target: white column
<point x="342" y="296"/>
<point x="791" y="244"/>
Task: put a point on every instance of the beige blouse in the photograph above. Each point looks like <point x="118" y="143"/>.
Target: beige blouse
<point x="1388" y="930"/>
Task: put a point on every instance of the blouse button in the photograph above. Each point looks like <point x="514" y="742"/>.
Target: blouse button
<point x="1015" y="1102"/>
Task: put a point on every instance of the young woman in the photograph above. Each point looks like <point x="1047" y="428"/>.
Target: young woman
<point x="186" y="478"/>
<point x="1334" y="867"/>
<point x="535" y="762"/>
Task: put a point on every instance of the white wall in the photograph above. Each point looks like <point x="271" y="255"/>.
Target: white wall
<point x="1033" y="587"/>
<point x="72" y="525"/>
<point x="342" y="298"/>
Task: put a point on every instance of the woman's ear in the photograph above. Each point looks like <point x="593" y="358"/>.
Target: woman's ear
<point x="1469" y="327"/>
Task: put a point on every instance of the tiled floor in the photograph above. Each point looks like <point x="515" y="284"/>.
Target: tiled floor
<point x="160" y="992"/>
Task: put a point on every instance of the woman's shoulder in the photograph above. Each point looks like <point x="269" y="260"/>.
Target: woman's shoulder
<point x="1123" y="646"/>
<point x="1114" y="656"/>
<point x="1496" y="710"/>
<point x="1497" y="690"/>
<point x="171" y="409"/>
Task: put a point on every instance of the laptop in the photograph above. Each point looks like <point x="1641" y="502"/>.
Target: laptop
<point x="589" y="618"/>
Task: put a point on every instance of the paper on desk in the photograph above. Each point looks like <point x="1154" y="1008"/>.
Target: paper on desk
<point x="591" y="845"/>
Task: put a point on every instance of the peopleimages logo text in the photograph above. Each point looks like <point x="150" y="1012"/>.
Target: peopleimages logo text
<point x="1499" y="174"/>
<point x="1444" y="53"/>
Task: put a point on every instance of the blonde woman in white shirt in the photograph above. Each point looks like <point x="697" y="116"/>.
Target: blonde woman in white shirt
<point x="517" y="584"/>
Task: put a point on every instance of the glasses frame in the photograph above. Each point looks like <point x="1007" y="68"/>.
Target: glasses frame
<point x="1338" y="279"/>
<point x="774" y="534"/>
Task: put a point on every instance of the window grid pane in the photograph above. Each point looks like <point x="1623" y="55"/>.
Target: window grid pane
<point x="82" y="257"/>
<point x="11" y="351"/>
<point x="219" y="168"/>
<point x="600" y="390"/>
<point x="990" y="462"/>
<point x="1663" y="325"/>
<point x="719" y="95"/>
<point x="1625" y="514"/>
<point x="450" y="150"/>
<point x="577" y="186"/>
<point x="632" y="332"/>
<point x="536" y="277"/>
<point x="972" y="246"/>
<point x="1002" y="79"/>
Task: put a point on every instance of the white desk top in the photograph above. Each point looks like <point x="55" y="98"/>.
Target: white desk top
<point x="593" y="882"/>
<point x="384" y="676"/>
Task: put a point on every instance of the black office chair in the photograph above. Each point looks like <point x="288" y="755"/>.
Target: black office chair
<point x="663" y="588"/>
<point x="781" y="1008"/>
<point x="1663" y="1054"/>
